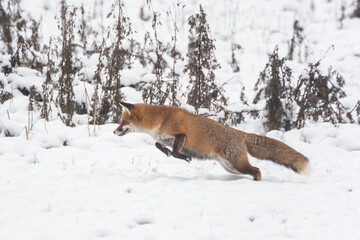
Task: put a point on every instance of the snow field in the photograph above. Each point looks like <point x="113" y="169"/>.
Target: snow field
<point x="72" y="183"/>
<point x="113" y="187"/>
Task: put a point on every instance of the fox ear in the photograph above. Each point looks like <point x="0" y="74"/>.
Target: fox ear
<point x="126" y="106"/>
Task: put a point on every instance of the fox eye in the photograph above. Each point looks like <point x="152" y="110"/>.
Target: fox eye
<point x="124" y="122"/>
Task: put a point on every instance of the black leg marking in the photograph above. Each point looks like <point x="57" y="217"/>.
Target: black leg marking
<point x="163" y="149"/>
<point x="178" y="144"/>
<point x="183" y="157"/>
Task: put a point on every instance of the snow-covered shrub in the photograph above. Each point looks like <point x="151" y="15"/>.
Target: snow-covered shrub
<point x="203" y="91"/>
<point x="67" y="68"/>
<point x="157" y="92"/>
<point x="5" y="22"/>
<point x="4" y="95"/>
<point x="297" y="42"/>
<point x="173" y="76"/>
<point x="318" y="96"/>
<point x="118" y="57"/>
<point x="234" y="63"/>
<point x="48" y="85"/>
<point x="274" y="84"/>
<point x="356" y="12"/>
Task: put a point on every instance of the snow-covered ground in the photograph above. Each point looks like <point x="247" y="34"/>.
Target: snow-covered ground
<point x="111" y="187"/>
<point x="86" y="183"/>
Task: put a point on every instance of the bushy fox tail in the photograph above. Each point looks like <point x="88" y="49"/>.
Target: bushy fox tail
<point x="267" y="148"/>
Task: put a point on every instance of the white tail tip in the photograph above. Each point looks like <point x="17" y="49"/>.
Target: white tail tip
<point x="307" y="170"/>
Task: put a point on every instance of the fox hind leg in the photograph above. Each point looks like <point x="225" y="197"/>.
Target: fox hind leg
<point x="253" y="171"/>
<point x="244" y="167"/>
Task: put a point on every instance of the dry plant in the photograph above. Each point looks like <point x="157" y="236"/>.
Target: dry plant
<point x="67" y="69"/>
<point x="4" y="95"/>
<point x="174" y="14"/>
<point x="234" y="63"/>
<point x="297" y="42"/>
<point x="203" y="91"/>
<point x="47" y="86"/>
<point x="118" y="57"/>
<point x="34" y="99"/>
<point x="356" y="12"/>
<point x="274" y="85"/>
<point x="157" y="92"/>
<point x="318" y="96"/>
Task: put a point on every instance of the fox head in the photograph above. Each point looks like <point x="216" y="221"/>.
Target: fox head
<point x="129" y="120"/>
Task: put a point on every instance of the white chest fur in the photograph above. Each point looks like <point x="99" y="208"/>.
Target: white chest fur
<point x="160" y="137"/>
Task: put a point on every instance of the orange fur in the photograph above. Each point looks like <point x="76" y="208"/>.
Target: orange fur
<point x="208" y="139"/>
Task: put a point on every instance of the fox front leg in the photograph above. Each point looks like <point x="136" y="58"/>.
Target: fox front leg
<point x="164" y="149"/>
<point x="178" y="144"/>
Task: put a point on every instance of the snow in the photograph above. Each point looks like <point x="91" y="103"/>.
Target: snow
<point x="123" y="187"/>
<point x="86" y="183"/>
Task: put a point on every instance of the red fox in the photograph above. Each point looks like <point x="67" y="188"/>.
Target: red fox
<point x="196" y="136"/>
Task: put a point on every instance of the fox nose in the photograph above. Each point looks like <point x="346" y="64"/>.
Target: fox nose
<point x="117" y="130"/>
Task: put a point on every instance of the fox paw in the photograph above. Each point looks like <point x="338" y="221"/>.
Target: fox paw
<point x="168" y="153"/>
<point x="187" y="158"/>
